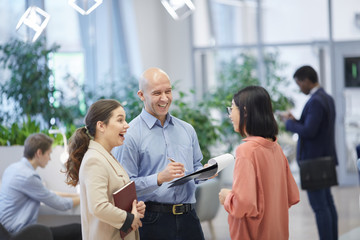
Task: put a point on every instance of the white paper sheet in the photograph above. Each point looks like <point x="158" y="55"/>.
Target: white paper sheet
<point x="223" y="161"/>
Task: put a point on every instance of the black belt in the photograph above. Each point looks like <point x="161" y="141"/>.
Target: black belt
<point x="175" y="209"/>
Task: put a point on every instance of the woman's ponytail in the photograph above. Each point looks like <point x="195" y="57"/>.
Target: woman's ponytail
<point x="101" y="110"/>
<point x="78" y="145"/>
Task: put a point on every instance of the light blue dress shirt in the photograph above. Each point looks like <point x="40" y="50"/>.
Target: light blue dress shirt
<point x="145" y="153"/>
<point x="20" y="196"/>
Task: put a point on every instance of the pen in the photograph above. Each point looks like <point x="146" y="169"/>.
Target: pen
<point x="172" y="160"/>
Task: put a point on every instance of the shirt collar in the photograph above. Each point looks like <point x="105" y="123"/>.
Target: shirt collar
<point x="262" y="141"/>
<point x="150" y="120"/>
<point x="27" y="163"/>
<point x="314" y="89"/>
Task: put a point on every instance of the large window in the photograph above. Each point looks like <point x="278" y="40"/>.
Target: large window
<point x="300" y="32"/>
<point x="294" y="21"/>
<point x="64" y="27"/>
<point x="10" y="12"/>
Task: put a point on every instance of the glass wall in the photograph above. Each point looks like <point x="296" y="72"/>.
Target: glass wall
<point x="97" y="55"/>
<point x="233" y="23"/>
<point x="299" y="32"/>
<point x="64" y="28"/>
<point x="104" y="47"/>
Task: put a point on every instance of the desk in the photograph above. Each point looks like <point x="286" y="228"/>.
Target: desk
<point x="51" y="217"/>
<point x="46" y="210"/>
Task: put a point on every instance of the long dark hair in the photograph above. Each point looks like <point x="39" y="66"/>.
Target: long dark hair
<point x="79" y="141"/>
<point x="256" y="114"/>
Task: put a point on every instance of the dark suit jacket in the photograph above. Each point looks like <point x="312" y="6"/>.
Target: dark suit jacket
<point x="316" y="127"/>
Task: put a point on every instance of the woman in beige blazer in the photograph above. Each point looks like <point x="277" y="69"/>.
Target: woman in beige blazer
<point x="91" y="164"/>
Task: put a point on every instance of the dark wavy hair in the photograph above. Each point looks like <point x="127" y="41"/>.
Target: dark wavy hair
<point x="256" y="114"/>
<point x="101" y="110"/>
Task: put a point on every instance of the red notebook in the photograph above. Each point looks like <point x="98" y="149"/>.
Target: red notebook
<point x="123" y="199"/>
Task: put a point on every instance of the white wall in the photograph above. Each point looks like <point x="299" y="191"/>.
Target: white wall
<point x="345" y="25"/>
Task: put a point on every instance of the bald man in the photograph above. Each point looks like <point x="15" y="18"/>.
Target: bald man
<point x="158" y="148"/>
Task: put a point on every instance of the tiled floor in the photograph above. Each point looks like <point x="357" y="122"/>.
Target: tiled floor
<point x="302" y="221"/>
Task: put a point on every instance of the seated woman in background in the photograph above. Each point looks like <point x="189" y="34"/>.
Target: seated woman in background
<point x="263" y="187"/>
<point x="91" y="164"/>
<point x="22" y="191"/>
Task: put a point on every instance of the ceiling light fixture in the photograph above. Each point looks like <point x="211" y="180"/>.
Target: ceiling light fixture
<point x="84" y="6"/>
<point x="36" y="19"/>
<point x="178" y="9"/>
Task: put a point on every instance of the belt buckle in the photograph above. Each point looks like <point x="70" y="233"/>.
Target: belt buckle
<point x="174" y="209"/>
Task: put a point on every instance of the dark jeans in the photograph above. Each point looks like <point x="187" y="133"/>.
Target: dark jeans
<point x="67" y="232"/>
<point x="166" y="226"/>
<point x="323" y="206"/>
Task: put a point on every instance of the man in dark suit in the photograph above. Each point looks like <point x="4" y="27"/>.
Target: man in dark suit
<point x="316" y="130"/>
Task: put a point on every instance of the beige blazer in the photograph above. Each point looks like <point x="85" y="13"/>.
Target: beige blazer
<point x="100" y="175"/>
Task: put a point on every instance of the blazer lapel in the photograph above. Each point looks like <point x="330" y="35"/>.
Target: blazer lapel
<point x="111" y="160"/>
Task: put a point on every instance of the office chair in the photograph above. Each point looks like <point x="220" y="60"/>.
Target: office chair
<point x="4" y="234"/>
<point x="32" y="232"/>
<point x="207" y="202"/>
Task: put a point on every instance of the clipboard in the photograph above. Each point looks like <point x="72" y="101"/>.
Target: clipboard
<point x="216" y="165"/>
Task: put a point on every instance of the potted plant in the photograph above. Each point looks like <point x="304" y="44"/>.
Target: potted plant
<point x="28" y="86"/>
<point x="238" y="73"/>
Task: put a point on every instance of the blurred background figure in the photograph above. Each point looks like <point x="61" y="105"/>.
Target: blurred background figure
<point x="22" y="191"/>
<point x="316" y="130"/>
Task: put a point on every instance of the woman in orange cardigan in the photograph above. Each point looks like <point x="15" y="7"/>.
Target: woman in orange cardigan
<point x="263" y="187"/>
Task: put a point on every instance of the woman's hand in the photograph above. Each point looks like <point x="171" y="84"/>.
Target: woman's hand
<point x="224" y="192"/>
<point x="140" y="206"/>
<point x="136" y="222"/>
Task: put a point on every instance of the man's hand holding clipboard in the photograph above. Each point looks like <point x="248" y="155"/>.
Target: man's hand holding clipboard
<point x="213" y="167"/>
